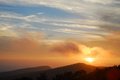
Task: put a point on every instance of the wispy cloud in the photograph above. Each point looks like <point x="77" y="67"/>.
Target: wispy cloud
<point x="92" y="14"/>
<point x="84" y="28"/>
<point x="94" y="19"/>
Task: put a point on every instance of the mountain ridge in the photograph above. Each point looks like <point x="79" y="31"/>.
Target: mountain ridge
<point x="51" y="72"/>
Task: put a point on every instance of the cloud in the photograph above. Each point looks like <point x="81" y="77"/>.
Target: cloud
<point x="85" y="29"/>
<point x="95" y="18"/>
<point x="100" y="1"/>
<point x="66" y="48"/>
<point x="88" y="7"/>
<point x="94" y="26"/>
<point x="28" y="48"/>
<point x="46" y="1"/>
<point x="110" y="43"/>
<point x="16" y="16"/>
<point x="29" y="45"/>
<point x="17" y="45"/>
<point x="7" y="30"/>
<point x="100" y="19"/>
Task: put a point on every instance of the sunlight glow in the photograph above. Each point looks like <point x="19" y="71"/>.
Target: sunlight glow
<point x="89" y="59"/>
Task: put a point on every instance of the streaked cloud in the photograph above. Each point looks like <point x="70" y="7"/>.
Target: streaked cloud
<point x="111" y="43"/>
<point x="66" y="48"/>
<point x="6" y="30"/>
<point x="70" y="27"/>
<point x="101" y="2"/>
<point x="92" y="16"/>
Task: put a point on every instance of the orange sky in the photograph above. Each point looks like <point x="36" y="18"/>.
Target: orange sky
<point x="26" y="52"/>
<point x="59" y="32"/>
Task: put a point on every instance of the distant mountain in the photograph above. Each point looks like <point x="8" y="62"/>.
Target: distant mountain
<point x="75" y="67"/>
<point x="48" y="72"/>
<point x="21" y="72"/>
<point x="69" y="68"/>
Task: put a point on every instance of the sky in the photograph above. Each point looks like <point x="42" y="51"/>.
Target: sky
<point x="59" y="32"/>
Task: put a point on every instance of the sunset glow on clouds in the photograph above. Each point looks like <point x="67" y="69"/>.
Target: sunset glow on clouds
<point x="59" y="32"/>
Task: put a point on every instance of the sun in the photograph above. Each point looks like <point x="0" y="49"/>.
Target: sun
<point x="89" y="59"/>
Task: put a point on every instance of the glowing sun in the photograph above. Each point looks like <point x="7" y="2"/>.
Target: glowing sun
<point x="89" y="59"/>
